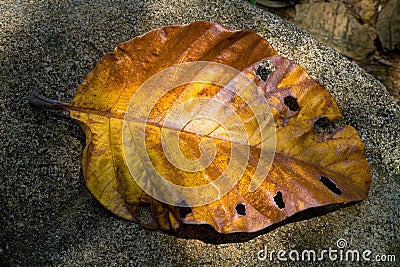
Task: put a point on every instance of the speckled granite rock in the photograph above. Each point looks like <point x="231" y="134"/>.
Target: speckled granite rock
<point x="47" y="215"/>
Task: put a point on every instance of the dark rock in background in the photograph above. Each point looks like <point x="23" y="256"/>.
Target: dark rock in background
<point x="352" y="27"/>
<point x="388" y="26"/>
<point x="365" y="11"/>
<point x="332" y="24"/>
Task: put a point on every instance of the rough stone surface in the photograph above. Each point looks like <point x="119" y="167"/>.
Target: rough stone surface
<point x="366" y="10"/>
<point x="332" y="24"/>
<point x="48" y="217"/>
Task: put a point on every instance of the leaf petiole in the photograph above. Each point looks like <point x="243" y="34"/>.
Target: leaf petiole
<point x="41" y="101"/>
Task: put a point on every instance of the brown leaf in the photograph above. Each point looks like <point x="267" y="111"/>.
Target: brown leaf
<point x="316" y="162"/>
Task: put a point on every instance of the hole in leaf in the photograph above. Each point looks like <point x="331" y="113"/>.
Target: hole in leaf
<point x="278" y="198"/>
<point x="338" y="123"/>
<point x="265" y="69"/>
<point x="184" y="209"/>
<point x="291" y="103"/>
<point x="144" y="213"/>
<point x="330" y="185"/>
<point x="241" y="209"/>
<point x="324" y="125"/>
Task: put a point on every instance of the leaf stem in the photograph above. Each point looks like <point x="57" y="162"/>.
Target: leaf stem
<point x="41" y="101"/>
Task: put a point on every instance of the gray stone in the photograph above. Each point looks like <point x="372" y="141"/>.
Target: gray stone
<point x="48" y="217"/>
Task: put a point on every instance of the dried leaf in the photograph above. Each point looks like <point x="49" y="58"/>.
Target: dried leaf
<point x="317" y="162"/>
